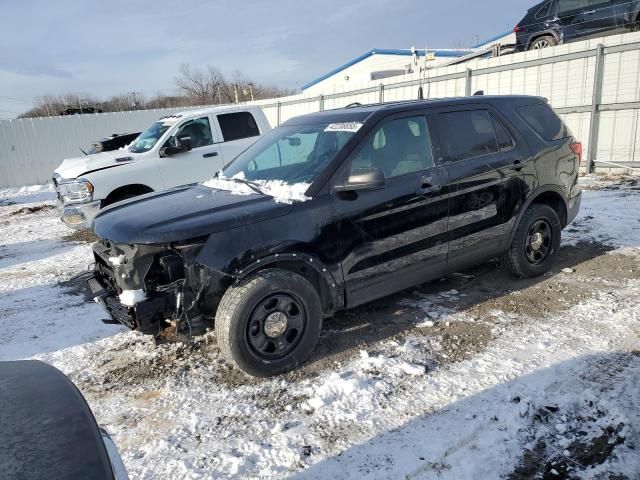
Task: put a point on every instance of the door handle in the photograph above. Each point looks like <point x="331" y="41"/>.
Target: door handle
<point x="517" y="165"/>
<point x="210" y="154"/>
<point x="427" y="189"/>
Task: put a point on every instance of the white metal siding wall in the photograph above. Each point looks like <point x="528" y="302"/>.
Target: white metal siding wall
<point x="30" y="149"/>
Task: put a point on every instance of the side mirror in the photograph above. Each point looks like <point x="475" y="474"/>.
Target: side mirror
<point x="362" y="179"/>
<point x="183" y="144"/>
<point x="294" y="141"/>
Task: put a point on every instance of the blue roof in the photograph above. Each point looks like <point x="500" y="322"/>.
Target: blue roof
<point x="384" y="51"/>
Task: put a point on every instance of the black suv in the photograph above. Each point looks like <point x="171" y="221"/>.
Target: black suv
<point x="553" y="22"/>
<point x="386" y="197"/>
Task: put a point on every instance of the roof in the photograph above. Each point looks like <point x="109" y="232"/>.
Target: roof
<point x="48" y="430"/>
<point x="405" y="52"/>
<point x="361" y="113"/>
<point x="207" y="111"/>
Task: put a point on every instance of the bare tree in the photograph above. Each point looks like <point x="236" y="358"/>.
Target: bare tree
<point x="196" y="86"/>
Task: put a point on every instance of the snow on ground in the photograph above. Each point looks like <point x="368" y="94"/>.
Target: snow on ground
<point x="552" y="390"/>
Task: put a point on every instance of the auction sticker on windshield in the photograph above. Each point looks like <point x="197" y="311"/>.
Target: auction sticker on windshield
<point x="344" y="127"/>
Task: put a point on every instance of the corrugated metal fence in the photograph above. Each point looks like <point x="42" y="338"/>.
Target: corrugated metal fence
<point x="594" y="85"/>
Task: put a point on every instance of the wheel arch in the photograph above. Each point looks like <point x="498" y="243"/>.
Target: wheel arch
<point x="307" y="266"/>
<point x="137" y="188"/>
<point x="546" y="33"/>
<point x="551" y="195"/>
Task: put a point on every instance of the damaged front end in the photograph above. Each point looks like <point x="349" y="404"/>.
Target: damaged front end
<point x="156" y="289"/>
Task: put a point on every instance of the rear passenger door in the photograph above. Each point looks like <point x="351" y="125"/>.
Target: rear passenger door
<point x="239" y="130"/>
<point x="602" y="16"/>
<point x="490" y="174"/>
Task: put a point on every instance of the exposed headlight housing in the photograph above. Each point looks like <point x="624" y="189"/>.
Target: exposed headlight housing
<point x="76" y="191"/>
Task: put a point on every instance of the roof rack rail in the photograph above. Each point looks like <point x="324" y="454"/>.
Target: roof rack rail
<point x="353" y="105"/>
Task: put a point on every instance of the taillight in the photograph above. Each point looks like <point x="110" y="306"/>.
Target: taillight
<point x="577" y="149"/>
<point x="516" y="28"/>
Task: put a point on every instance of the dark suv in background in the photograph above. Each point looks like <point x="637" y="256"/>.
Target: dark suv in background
<point x="554" y="22"/>
<point x="388" y="196"/>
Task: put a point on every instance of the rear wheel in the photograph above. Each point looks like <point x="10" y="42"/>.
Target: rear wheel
<point x="535" y="244"/>
<point x="543" y="42"/>
<point x="269" y="323"/>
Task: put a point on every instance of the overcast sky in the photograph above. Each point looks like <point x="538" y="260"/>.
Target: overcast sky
<point x="109" y="47"/>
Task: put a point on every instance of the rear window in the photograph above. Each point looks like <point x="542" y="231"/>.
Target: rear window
<point x="544" y="121"/>
<point x="236" y="126"/>
<point x="544" y="12"/>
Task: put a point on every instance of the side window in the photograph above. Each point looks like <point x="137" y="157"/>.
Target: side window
<point x="544" y="121"/>
<point x="236" y="126"/>
<point x="397" y="148"/>
<point x="505" y="142"/>
<point x="565" y="6"/>
<point x="199" y="130"/>
<point x="467" y="134"/>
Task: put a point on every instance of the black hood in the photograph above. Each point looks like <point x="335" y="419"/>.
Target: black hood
<point x="183" y="214"/>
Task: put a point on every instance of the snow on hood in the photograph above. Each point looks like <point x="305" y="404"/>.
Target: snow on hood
<point x="281" y="192"/>
<point x="75" y="167"/>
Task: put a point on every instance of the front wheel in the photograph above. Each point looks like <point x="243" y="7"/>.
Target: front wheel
<point x="536" y="243"/>
<point x="543" y="42"/>
<point x="269" y="323"/>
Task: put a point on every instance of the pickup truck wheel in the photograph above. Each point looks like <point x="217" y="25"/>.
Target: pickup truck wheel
<point x="269" y="323"/>
<point x="536" y="243"/>
<point x="543" y="42"/>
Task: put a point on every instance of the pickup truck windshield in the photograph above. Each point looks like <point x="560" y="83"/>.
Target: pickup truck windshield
<point x="147" y="139"/>
<point x="294" y="154"/>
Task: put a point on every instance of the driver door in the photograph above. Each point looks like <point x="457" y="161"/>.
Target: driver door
<point x="394" y="237"/>
<point x="201" y="162"/>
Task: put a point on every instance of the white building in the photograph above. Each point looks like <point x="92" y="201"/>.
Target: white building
<point x="380" y="63"/>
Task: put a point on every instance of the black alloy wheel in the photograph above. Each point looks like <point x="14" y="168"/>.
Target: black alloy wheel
<point x="276" y="326"/>
<point x="539" y="241"/>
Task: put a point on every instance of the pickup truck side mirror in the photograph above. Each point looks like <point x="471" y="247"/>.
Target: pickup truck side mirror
<point x="362" y="179"/>
<point x="183" y="144"/>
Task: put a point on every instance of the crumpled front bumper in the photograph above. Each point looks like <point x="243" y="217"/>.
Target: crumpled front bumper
<point x="79" y="216"/>
<point x="141" y="317"/>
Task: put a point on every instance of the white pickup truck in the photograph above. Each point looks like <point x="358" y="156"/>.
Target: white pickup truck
<point x="176" y="150"/>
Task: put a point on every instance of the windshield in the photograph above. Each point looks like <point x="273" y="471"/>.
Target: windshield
<point x="148" y="139"/>
<point x="294" y="154"/>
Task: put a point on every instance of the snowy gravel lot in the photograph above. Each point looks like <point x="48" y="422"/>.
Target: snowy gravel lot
<point x="477" y="376"/>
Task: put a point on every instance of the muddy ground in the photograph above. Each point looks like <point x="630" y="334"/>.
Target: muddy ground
<point x="581" y="272"/>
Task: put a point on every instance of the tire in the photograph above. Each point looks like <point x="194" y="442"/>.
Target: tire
<point x="545" y="41"/>
<point x="251" y="330"/>
<point x="530" y="255"/>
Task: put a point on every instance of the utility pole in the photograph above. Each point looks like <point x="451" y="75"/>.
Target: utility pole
<point x="135" y="99"/>
<point x="235" y="92"/>
<point x="251" y="90"/>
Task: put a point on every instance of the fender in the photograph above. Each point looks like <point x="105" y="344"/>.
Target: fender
<point x="333" y="295"/>
<point x="532" y="198"/>
<point x="251" y="247"/>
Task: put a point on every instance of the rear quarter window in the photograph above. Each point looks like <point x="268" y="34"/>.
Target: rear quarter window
<point x="543" y="121"/>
